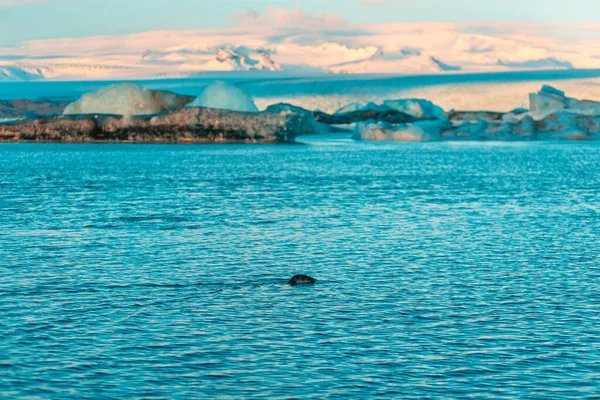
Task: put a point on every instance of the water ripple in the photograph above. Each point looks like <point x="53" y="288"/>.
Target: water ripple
<point x="445" y="271"/>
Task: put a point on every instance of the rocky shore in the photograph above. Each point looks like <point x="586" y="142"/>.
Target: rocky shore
<point x="186" y="125"/>
<point x="30" y="108"/>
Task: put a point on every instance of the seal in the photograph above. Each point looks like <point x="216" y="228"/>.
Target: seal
<point x="302" y="280"/>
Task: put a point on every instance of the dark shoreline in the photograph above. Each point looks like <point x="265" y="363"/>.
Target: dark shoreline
<point x="191" y="125"/>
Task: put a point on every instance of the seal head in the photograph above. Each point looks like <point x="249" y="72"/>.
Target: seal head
<point x="302" y="280"/>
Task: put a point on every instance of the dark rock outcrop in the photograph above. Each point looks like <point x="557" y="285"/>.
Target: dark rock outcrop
<point x="475" y="116"/>
<point x="387" y="115"/>
<point x="187" y="125"/>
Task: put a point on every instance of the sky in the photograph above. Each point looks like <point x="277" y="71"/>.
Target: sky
<point x="22" y="20"/>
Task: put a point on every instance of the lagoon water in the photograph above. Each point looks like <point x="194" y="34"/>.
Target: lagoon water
<point x="159" y="271"/>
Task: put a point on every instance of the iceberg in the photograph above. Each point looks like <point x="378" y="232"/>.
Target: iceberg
<point x="340" y="122"/>
<point x="566" y="125"/>
<point x="421" y="131"/>
<point x="223" y="96"/>
<point x="352" y="107"/>
<point x="126" y="99"/>
<point x="547" y="101"/>
<point x="311" y="125"/>
<point x="418" y="108"/>
<point x="550" y="100"/>
<point x="553" y="116"/>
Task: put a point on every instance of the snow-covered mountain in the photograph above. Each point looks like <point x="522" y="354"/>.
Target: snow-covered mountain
<point x="326" y="46"/>
<point x="224" y="58"/>
<point x="22" y="73"/>
<point x="405" y="61"/>
<point x="68" y="71"/>
<point x="488" y="50"/>
<point x="243" y="60"/>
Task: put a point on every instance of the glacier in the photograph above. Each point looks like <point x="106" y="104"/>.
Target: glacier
<point x="225" y="58"/>
<point x="221" y="95"/>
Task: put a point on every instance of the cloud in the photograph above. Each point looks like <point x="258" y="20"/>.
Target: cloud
<point x="376" y="3"/>
<point x="285" y="17"/>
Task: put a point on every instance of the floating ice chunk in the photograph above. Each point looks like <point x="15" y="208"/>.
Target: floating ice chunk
<point x="544" y="103"/>
<point x="483" y="130"/>
<point x="421" y="131"/>
<point x="357" y="107"/>
<point x="519" y="110"/>
<point x="474" y="116"/>
<point x="586" y="107"/>
<point x="419" y="108"/>
<point x="126" y="99"/>
<point x="311" y="126"/>
<point x="550" y="90"/>
<point x="566" y="125"/>
<point x="511" y="118"/>
<point x="550" y="100"/>
<point x="352" y="107"/>
<point x="525" y="128"/>
<point x="224" y="96"/>
<point x="374" y="107"/>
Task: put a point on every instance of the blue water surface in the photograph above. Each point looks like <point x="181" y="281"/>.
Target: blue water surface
<point x="159" y="271"/>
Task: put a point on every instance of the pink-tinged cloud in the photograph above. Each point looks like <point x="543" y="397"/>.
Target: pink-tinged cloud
<point x="375" y="3"/>
<point x="285" y="17"/>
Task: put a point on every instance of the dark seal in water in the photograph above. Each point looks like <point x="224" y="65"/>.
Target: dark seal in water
<point x="302" y="280"/>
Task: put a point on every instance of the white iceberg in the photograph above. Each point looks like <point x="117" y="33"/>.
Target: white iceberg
<point x="125" y="99"/>
<point x="546" y="101"/>
<point x="420" y="131"/>
<point x="221" y="95"/>
<point x="550" y="100"/>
